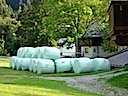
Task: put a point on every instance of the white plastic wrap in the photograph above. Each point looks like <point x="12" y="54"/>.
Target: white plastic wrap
<point x="51" y="53"/>
<point x="40" y="52"/>
<point x="81" y="65"/>
<point x="11" y="64"/>
<point x="20" y="52"/>
<point x="19" y="64"/>
<point x="35" y="64"/>
<point x="29" y="52"/>
<point x="25" y="63"/>
<point x="45" y="66"/>
<point x="100" y="64"/>
<point x="14" y="62"/>
<point x="63" y="65"/>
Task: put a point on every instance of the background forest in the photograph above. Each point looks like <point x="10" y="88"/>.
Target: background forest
<point x="43" y="22"/>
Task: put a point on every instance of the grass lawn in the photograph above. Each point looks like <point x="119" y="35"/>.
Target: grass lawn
<point x="4" y="62"/>
<point x="25" y="86"/>
<point x="19" y="83"/>
<point x="119" y="81"/>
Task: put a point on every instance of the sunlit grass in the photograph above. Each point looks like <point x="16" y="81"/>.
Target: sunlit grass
<point x="4" y="62"/>
<point x="20" y="83"/>
<point x="25" y="86"/>
<point x="119" y="81"/>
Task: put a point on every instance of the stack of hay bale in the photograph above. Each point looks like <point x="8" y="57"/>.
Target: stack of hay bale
<point x="47" y="60"/>
<point x="39" y="59"/>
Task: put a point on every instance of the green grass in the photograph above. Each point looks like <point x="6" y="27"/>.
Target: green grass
<point x="4" y="62"/>
<point x="25" y="86"/>
<point x="119" y="81"/>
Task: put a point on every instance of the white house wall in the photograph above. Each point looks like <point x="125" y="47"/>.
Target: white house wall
<point x="92" y="51"/>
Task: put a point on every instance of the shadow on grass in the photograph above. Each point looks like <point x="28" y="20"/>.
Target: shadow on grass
<point x="8" y="71"/>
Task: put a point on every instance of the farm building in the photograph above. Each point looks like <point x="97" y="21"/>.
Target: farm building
<point x="118" y="22"/>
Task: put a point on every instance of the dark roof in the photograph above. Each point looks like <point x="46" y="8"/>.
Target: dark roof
<point x="94" y="34"/>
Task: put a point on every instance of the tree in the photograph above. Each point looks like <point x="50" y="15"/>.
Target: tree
<point x="72" y="18"/>
<point x="8" y="25"/>
<point x="31" y="32"/>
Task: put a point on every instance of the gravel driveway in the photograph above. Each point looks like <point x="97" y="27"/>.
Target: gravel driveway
<point x="94" y="83"/>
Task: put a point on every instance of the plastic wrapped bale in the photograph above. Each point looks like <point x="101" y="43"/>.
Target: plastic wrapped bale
<point x="45" y="66"/>
<point x="51" y="53"/>
<point x="35" y="64"/>
<point x="35" y="53"/>
<point x="11" y="61"/>
<point x="100" y="64"/>
<point x="81" y="65"/>
<point x="29" y="52"/>
<point x="19" y="63"/>
<point x="14" y="64"/>
<point x="31" y="64"/>
<point x="72" y="62"/>
<point x="63" y="65"/>
<point x="20" y="52"/>
<point x="41" y="52"/>
<point x="25" y="63"/>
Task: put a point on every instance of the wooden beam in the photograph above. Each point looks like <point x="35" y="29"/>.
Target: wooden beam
<point x="121" y="28"/>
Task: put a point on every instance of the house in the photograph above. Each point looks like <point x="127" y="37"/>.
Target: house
<point x="91" y="46"/>
<point x="118" y="22"/>
<point x="67" y="50"/>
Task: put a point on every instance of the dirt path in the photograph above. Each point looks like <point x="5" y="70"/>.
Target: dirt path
<point x="94" y="83"/>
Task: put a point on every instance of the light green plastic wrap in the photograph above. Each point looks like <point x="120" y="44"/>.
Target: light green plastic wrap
<point x="51" y="53"/>
<point x="45" y="66"/>
<point x="41" y="52"/>
<point x="25" y="63"/>
<point x="19" y="63"/>
<point x="29" y="52"/>
<point x="63" y="65"/>
<point x="35" y="53"/>
<point x="81" y="65"/>
<point x="100" y="64"/>
<point x="72" y="62"/>
<point x="35" y="64"/>
<point x="31" y="64"/>
<point x="12" y="61"/>
<point x="20" y="52"/>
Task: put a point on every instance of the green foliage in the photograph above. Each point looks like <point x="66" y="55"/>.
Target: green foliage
<point x="8" y="25"/>
<point x="50" y="20"/>
<point x="119" y="81"/>
<point x="107" y="47"/>
<point x="126" y="68"/>
<point x="31" y="32"/>
<point x="69" y="18"/>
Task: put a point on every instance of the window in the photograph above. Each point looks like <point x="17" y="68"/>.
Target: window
<point x="86" y="50"/>
<point x="94" y="49"/>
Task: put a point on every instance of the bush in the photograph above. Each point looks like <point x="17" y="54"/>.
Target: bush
<point x="3" y="52"/>
<point x="126" y="68"/>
